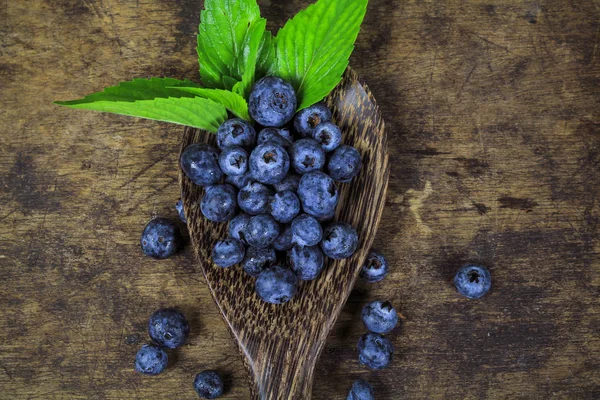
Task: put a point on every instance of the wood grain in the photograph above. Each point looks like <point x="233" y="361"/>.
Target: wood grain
<point x="280" y="344"/>
<point x="491" y="110"/>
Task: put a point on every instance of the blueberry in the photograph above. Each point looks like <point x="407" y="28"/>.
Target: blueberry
<point x="344" y="163"/>
<point x="286" y="134"/>
<point x="379" y="317"/>
<point x="318" y="194"/>
<point x="306" y="120"/>
<point x="151" y="360"/>
<point x="306" y="230"/>
<point x="326" y="218"/>
<point x="290" y="182"/>
<point x="276" y="285"/>
<point x="269" y="163"/>
<point x="375" y="267"/>
<point x="179" y="208"/>
<point x="375" y="351"/>
<point x="200" y="163"/>
<point x="208" y="384"/>
<point x="228" y="252"/>
<point x="219" y="203"/>
<point x="161" y="238"/>
<point x="275" y="135"/>
<point x="261" y="231"/>
<point x="473" y="281"/>
<point x="237" y="227"/>
<point x="233" y="161"/>
<point x="361" y="390"/>
<point x="168" y="328"/>
<point x="257" y="260"/>
<point x="272" y="102"/>
<point x="306" y="262"/>
<point x="254" y="198"/>
<point x="236" y="132"/>
<point x="307" y="155"/>
<point x="284" y="240"/>
<point x="328" y="135"/>
<point x="339" y="241"/>
<point x="284" y="206"/>
<point x="239" y="181"/>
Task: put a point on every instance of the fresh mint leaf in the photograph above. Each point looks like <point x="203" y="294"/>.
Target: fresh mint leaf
<point x="313" y="48"/>
<point x="266" y="55"/>
<point x="250" y="56"/>
<point x="137" y="89"/>
<point x="228" y="41"/>
<point x="157" y="99"/>
<point x="232" y="101"/>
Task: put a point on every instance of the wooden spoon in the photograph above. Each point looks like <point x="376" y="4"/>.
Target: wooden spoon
<point x="280" y="344"/>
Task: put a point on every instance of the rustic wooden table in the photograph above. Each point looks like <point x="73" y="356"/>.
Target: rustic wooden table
<point x="492" y="111"/>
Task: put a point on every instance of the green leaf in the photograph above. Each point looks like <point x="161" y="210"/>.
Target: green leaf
<point x="232" y="101"/>
<point x="250" y="56"/>
<point x="313" y="48"/>
<point x="157" y="99"/>
<point x="266" y="55"/>
<point x="137" y="89"/>
<point x="226" y="41"/>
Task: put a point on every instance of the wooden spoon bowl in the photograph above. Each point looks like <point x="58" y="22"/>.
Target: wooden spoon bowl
<point x="280" y="344"/>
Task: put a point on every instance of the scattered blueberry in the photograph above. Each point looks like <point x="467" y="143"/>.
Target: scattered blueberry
<point x="344" y="164"/>
<point x="306" y="230"/>
<point x="239" y="181"/>
<point x="219" y="203"/>
<point x="208" y="384"/>
<point x="179" y="208"/>
<point x="473" y="281"/>
<point x="275" y="135"/>
<point x="269" y="163"/>
<point x="233" y="161"/>
<point x="237" y="227"/>
<point x="290" y="182"/>
<point x="328" y="135"/>
<point x="151" y="360"/>
<point x="361" y="390"/>
<point x="168" y="328"/>
<point x="318" y="194"/>
<point x="276" y="285"/>
<point x="284" y="240"/>
<point x="307" y="155"/>
<point x="236" y="132"/>
<point x="254" y="198"/>
<point x="306" y="262"/>
<point x="272" y="102"/>
<point x="257" y="260"/>
<point x="261" y="231"/>
<point x="375" y="351"/>
<point x="161" y="238"/>
<point x="228" y="252"/>
<point x="284" y="206"/>
<point x="379" y="317"/>
<point x="375" y="267"/>
<point x="306" y="120"/>
<point x="339" y="241"/>
<point x="200" y="163"/>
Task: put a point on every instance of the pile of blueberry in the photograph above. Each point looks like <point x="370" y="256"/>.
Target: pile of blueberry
<point x="169" y="329"/>
<point x="277" y="180"/>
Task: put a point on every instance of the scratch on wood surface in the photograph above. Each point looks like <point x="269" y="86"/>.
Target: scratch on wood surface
<point x="416" y="199"/>
<point x="432" y="87"/>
